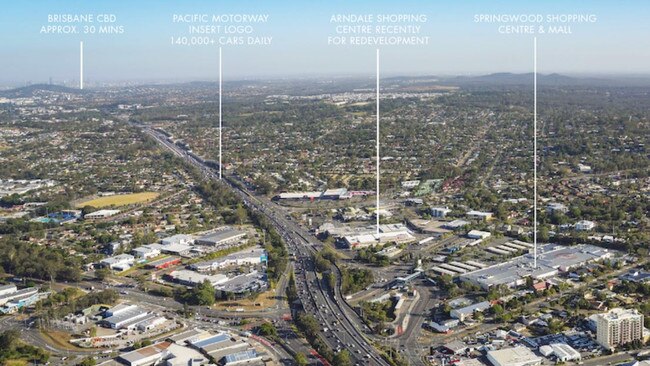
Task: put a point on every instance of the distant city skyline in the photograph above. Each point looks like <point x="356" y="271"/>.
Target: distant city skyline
<point x="617" y="43"/>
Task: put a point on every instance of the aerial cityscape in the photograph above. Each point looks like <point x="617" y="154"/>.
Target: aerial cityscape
<point x="212" y="182"/>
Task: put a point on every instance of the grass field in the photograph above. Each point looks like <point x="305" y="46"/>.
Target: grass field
<point x="119" y="200"/>
<point x="15" y="363"/>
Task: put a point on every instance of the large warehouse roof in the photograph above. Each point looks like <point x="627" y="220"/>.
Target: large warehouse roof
<point x="551" y="259"/>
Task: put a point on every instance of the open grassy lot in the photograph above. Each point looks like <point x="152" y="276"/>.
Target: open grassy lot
<point x="15" y="363"/>
<point x="119" y="200"/>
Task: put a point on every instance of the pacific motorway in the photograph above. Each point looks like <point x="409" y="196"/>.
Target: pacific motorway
<point x="341" y="327"/>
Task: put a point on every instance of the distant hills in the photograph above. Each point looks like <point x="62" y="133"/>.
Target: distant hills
<point x="31" y="90"/>
<point x="506" y="78"/>
<point x="512" y="79"/>
<point x="315" y="85"/>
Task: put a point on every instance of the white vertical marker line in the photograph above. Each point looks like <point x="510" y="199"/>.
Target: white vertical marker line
<point x="535" y="149"/>
<point x="220" y="111"/>
<point x="81" y="65"/>
<point x="377" y="208"/>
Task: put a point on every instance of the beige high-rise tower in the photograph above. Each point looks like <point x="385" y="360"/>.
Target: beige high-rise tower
<point x="618" y="327"/>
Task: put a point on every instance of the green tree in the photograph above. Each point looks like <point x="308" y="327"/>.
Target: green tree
<point x="291" y="291"/>
<point x="102" y="273"/>
<point x="268" y="330"/>
<point x="301" y="359"/>
<point x="203" y="293"/>
<point x="88" y="361"/>
<point x="240" y="214"/>
<point x="342" y="358"/>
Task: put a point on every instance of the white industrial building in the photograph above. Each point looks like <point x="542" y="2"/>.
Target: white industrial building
<point x="178" y="239"/>
<point x="440" y="211"/>
<point x="12" y="299"/>
<point x="555" y="207"/>
<point x="147" y="251"/>
<point x="221" y="238"/>
<point x="479" y="215"/>
<point x="119" y="262"/>
<point x="390" y="233"/>
<point x="124" y="316"/>
<point x="518" y="356"/>
<point x="410" y="184"/>
<point x="477" y="234"/>
<point x="192" y="278"/>
<point x="241" y="358"/>
<point x="164" y="353"/>
<point x="244" y="284"/>
<point x="182" y="250"/>
<point x="336" y="194"/>
<point x="469" y="311"/>
<point x="551" y="260"/>
<point x="455" y="225"/>
<point x="366" y="240"/>
<point x="564" y="353"/>
<point x="299" y="195"/>
<point x="101" y="214"/>
<point x="7" y="289"/>
<point x="390" y="252"/>
<point x="585" y="225"/>
<point x="247" y="257"/>
<point x="333" y="193"/>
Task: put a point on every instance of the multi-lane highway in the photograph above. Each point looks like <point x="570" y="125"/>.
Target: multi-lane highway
<point x="344" y="328"/>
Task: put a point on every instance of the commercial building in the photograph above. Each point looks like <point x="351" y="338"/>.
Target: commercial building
<point x="555" y="207"/>
<point x="518" y="356"/>
<point x="479" y="215"/>
<point x="618" y="327"/>
<point x="469" y="311"/>
<point x="392" y="233"/>
<point x="477" y="234"/>
<point x="188" y="335"/>
<point x="433" y="326"/>
<point x="178" y="239"/>
<point x="564" y="353"/>
<point x="146" y="251"/>
<point x="119" y="262"/>
<point x="247" y="257"/>
<point x="585" y="225"/>
<point x="241" y="358"/>
<point x="192" y="278"/>
<point x="469" y="362"/>
<point x="101" y="214"/>
<point x="299" y="195"/>
<point x="551" y="260"/>
<point x="410" y="184"/>
<point x="243" y="284"/>
<point x="638" y="276"/>
<point x="164" y="263"/>
<point x="390" y="252"/>
<point x="13" y="299"/>
<point x="7" y="289"/>
<point x="124" y="316"/>
<point x="456" y="224"/>
<point x="221" y="238"/>
<point x="149" y="322"/>
<point x="224" y="347"/>
<point x="182" y="250"/>
<point x="334" y="193"/>
<point x="440" y="211"/>
<point x="455" y="347"/>
<point x="16" y="294"/>
<point x="401" y="281"/>
<point x="172" y="355"/>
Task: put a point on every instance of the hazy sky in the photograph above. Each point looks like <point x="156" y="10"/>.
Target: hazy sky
<point x="619" y="42"/>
